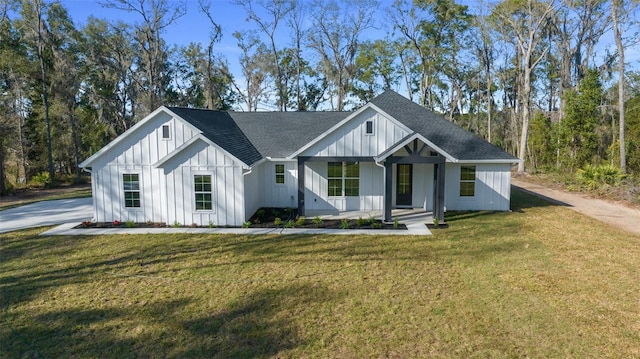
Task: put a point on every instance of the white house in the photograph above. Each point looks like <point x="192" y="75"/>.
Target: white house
<point x="203" y="166"/>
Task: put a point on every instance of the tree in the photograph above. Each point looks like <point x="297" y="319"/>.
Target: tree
<point x="376" y="69"/>
<point x="336" y="39"/>
<point x="524" y="22"/>
<point x="621" y="10"/>
<point x="156" y="15"/>
<point x="276" y="11"/>
<point x="254" y="69"/>
<point x="578" y="138"/>
<point x="35" y="27"/>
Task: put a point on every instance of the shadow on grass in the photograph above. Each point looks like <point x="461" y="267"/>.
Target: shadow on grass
<point x="523" y="199"/>
<point x="259" y="325"/>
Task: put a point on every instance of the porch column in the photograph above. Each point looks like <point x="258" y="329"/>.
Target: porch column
<point x="301" y="161"/>
<point x="388" y="177"/>
<point x="438" y="191"/>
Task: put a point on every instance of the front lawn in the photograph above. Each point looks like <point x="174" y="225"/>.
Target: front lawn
<point x="542" y="281"/>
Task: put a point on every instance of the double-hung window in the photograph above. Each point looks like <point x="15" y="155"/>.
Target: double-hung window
<point x="343" y="179"/>
<point x="279" y="173"/>
<point x="202" y="184"/>
<point x="467" y="181"/>
<point x="131" y="186"/>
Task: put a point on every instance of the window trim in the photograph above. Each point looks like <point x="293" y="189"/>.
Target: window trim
<point x="366" y="128"/>
<point x="168" y="126"/>
<point x="280" y="174"/>
<point x="125" y="191"/>
<point x="343" y="179"/>
<point x="196" y="192"/>
<point x="467" y="181"/>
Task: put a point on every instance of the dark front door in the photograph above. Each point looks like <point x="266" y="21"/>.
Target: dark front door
<point x="403" y="185"/>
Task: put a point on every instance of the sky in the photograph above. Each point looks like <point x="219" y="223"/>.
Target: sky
<point x="195" y="27"/>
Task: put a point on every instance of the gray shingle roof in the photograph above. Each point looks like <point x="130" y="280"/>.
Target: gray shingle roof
<point x="456" y="141"/>
<point x="279" y="134"/>
<point x="252" y="136"/>
<point x="220" y="128"/>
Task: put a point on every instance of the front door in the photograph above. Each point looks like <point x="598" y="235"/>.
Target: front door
<point x="403" y="187"/>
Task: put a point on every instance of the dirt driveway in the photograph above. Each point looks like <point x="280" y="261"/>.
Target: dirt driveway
<point x="613" y="213"/>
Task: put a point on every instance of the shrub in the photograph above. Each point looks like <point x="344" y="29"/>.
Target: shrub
<point x="360" y="222"/>
<point x="300" y="221"/>
<point x="396" y="222"/>
<point x="41" y="179"/>
<point x="277" y="221"/>
<point x="212" y="224"/>
<point x="371" y="219"/>
<point x="344" y="223"/>
<point x="129" y="223"/>
<point x="246" y="224"/>
<point x="594" y="177"/>
<point x="290" y="224"/>
<point x="176" y="224"/>
<point x="317" y="221"/>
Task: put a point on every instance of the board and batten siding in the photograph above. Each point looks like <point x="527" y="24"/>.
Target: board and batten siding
<point x="492" y="188"/>
<point x="351" y="139"/>
<point x="136" y="154"/>
<point x="227" y="182"/>
<point x="318" y="202"/>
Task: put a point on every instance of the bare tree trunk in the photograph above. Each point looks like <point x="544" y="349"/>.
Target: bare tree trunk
<point x="618" y="36"/>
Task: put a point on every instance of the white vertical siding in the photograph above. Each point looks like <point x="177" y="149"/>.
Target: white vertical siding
<point x="351" y="138"/>
<point x="492" y="191"/>
<point x="167" y="194"/>
<point x="281" y="195"/>
<point x="316" y="197"/>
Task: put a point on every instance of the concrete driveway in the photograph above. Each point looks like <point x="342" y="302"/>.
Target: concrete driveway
<point x="46" y="213"/>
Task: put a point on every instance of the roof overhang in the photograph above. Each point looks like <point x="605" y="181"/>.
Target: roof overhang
<point x="198" y="137"/>
<point x="408" y="139"/>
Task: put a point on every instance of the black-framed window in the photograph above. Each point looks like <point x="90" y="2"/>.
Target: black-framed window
<point x="369" y="127"/>
<point x="467" y="181"/>
<point x="280" y="173"/>
<point x="131" y="187"/>
<point x="343" y="179"/>
<point x="202" y="189"/>
<point x="166" y="132"/>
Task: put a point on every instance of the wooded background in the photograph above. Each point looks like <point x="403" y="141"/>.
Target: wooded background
<point x="543" y="79"/>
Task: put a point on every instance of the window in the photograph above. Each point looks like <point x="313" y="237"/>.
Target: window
<point x="165" y="132"/>
<point x="369" y="125"/>
<point x="131" y="185"/>
<point x="467" y="181"/>
<point x="343" y="179"/>
<point x="202" y="185"/>
<point x="280" y="174"/>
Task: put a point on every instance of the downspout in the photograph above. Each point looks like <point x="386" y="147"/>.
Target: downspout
<point x="384" y="175"/>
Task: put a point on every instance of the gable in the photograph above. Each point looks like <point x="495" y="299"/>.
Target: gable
<point x="350" y="138"/>
<point x="143" y="144"/>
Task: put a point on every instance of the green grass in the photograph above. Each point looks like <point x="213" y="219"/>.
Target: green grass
<point x="540" y="282"/>
<point x="46" y="195"/>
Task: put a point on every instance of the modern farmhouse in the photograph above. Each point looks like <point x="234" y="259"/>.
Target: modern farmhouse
<point x="203" y="166"/>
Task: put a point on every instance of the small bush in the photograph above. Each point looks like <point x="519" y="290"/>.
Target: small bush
<point x="300" y="221"/>
<point x="246" y="224"/>
<point x="376" y="225"/>
<point x="176" y="224"/>
<point x="277" y="221"/>
<point x="596" y="177"/>
<point x="41" y="179"/>
<point x="344" y="223"/>
<point x="396" y="222"/>
<point x="317" y="221"/>
<point x="290" y="224"/>
<point x="212" y="224"/>
<point x="129" y="223"/>
<point x="360" y="222"/>
<point x="371" y="219"/>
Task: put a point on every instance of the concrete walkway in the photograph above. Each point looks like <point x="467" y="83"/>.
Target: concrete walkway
<point x="616" y="214"/>
<point x="415" y="220"/>
<point x="46" y="213"/>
